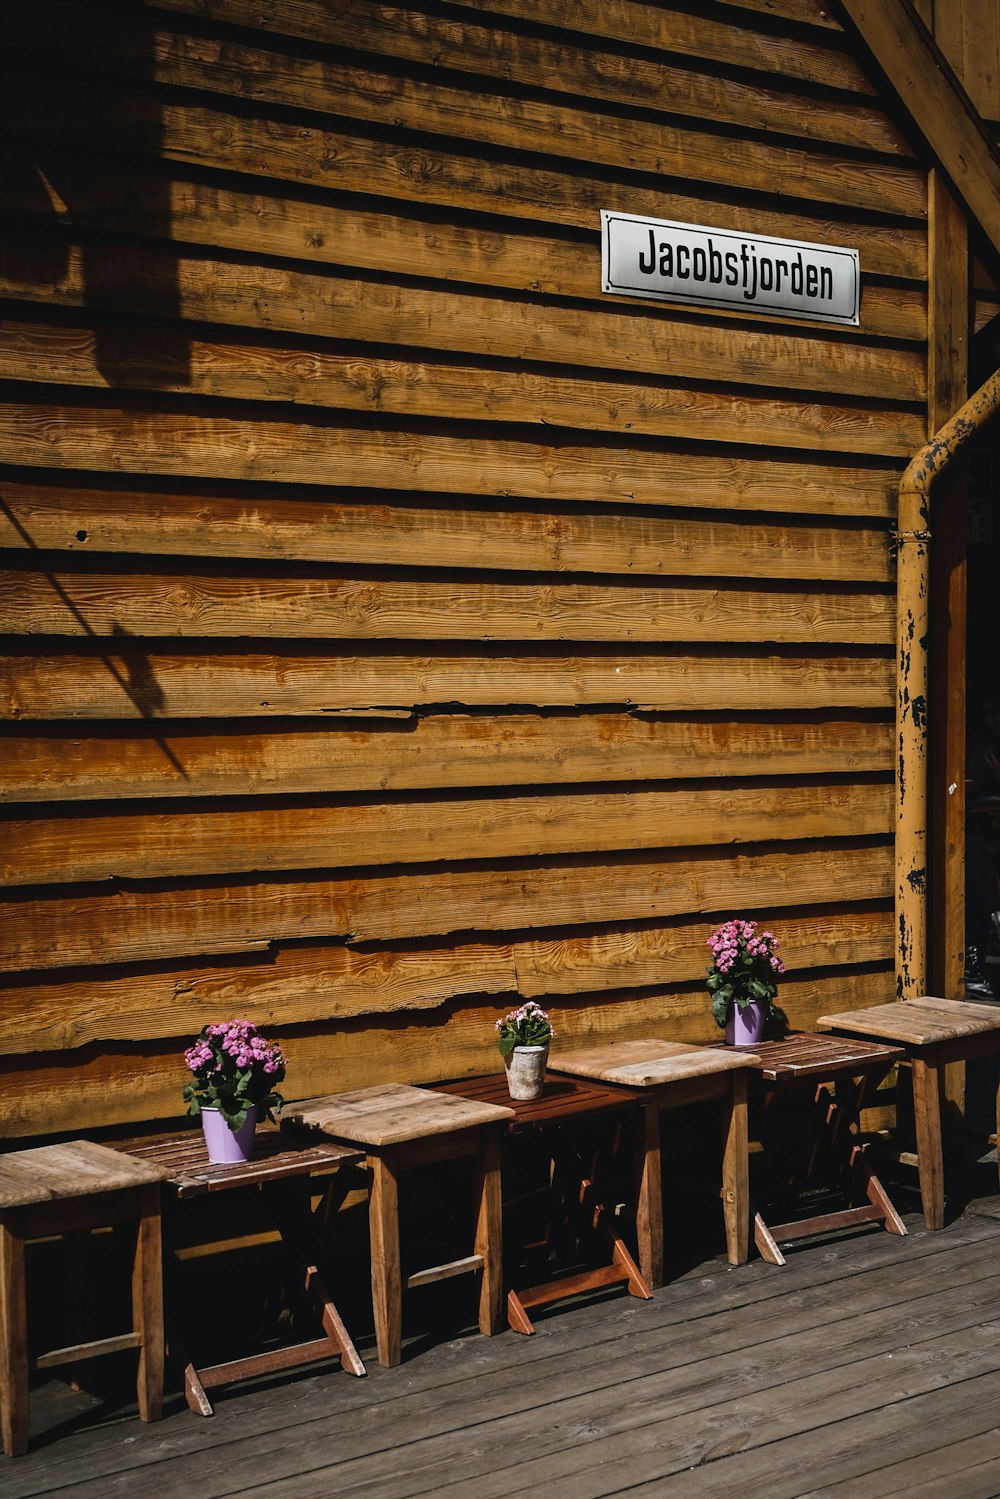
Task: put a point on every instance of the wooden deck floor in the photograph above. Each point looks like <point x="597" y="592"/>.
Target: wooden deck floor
<point x="868" y="1366"/>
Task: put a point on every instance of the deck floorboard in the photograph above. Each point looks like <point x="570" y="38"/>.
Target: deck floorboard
<point x="868" y="1365"/>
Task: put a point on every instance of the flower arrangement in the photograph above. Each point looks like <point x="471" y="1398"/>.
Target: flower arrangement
<point x="528" y="1025"/>
<point x="234" y="1067"/>
<point x="743" y="969"/>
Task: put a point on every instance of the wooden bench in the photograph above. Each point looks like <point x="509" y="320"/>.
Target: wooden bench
<point x="70" y="1189"/>
<point x="930" y="1033"/>
<point x="400" y="1127"/>
<point x="282" y="1168"/>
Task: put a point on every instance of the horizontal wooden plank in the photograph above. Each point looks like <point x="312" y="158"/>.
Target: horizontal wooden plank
<point x="60" y="517"/>
<point x="644" y="340"/>
<point x="140" y="46"/>
<point x="640" y="25"/>
<point x="115" y="194"/>
<point x="135" y="681"/>
<point x="500" y="117"/>
<point x="129" y="845"/>
<point x="475" y="176"/>
<point x="116" y="1084"/>
<point x="127" y="357"/>
<point x="306" y="985"/>
<point x="188" y="445"/>
<point x="294" y="606"/>
<point x="159" y="920"/>
<point x="430" y="752"/>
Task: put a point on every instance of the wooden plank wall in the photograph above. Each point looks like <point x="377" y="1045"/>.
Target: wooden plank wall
<point x="396" y="625"/>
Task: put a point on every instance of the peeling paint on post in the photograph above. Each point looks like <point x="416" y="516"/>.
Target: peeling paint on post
<point x="912" y="629"/>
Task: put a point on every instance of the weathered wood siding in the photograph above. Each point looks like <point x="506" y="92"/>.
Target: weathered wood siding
<point x="397" y="625"/>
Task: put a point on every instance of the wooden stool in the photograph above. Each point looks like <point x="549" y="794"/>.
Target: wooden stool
<point x="282" y="1167"/>
<point x="808" y="1064"/>
<point x="671" y="1074"/>
<point x="931" y="1032"/>
<point x="574" y="1193"/>
<point x="60" y="1189"/>
<point x="401" y="1127"/>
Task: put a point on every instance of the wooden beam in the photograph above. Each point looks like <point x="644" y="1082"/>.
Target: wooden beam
<point x="948" y="350"/>
<point x="940" y="109"/>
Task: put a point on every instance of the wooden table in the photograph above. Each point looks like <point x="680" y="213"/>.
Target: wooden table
<point x="807" y="1063"/>
<point x="284" y="1166"/>
<point x="400" y="1127"/>
<point x="70" y="1189"/>
<point x="671" y="1074"/>
<point x="931" y="1033"/>
<point x="564" y="1102"/>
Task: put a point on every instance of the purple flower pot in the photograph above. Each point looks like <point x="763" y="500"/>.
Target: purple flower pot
<point x="745" y="1024"/>
<point x="228" y="1146"/>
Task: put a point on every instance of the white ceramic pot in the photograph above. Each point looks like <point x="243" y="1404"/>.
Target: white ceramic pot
<point x="526" y="1072"/>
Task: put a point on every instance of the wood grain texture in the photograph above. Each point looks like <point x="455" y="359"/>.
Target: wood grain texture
<point x="619" y="335"/>
<point x="160" y="920"/>
<point x="915" y="1023"/>
<point x="955" y="133"/>
<point x="590" y="71"/>
<point x="441" y="750"/>
<point x="124" y="845"/>
<point x="303" y="606"/>
<point x="478" y="177"/>
<point x="116" y="357"/>
<point x="269" y="146"/>
<point x="138" y="45"/>
<point x="818" y="60"/>
<point x="275" y="525"/>
<point x="138" y="681"/>
<point x="302" y="985"/>
<point x="355" y="458"/>
<point x="553" y="257"/>
<point x="392" y="1114"/>
<point x="117" y="1084"/>
<point x="649" y="1063"/>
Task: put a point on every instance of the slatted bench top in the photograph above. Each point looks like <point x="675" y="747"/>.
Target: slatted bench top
<point x="563" y="1098"/>
<point x="392" y="1113"/>
<point x="917" y="1022"/>
<point x="648" y="1062"/>
<point x="804" y="1055"/>
<point x="277" y="1154"/>
<point x="77" y="1168"/>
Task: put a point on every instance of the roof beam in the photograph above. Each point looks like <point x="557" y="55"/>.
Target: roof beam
<point x="938" y="105"/>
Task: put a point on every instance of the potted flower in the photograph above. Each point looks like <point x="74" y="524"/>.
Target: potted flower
<point x="742" y="980"/>
<point x="523" y="1036"/>
<point x="236" y="1072"/>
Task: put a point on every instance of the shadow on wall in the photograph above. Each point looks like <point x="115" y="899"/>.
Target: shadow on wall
<point x="83" y="127"/>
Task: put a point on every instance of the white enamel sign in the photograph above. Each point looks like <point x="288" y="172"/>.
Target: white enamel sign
<point x="720" y="268"/>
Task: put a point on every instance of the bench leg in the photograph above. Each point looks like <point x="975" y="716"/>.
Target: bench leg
<point x="387" y="1294"/>
<point x="13" y="1343"/>
<point x="930" y="1153"/>
<point x="649" y="1198"/>
<point x="489" y="1229"/>
<point x="736" y="1173"/>
<point x="147" y="1304"/>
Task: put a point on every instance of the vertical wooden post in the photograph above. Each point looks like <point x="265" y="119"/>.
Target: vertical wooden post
<point x="948" y="359"/>
<point x="489" y="1227"/>
<point x="387" y="1286"/>
<point x="147" y="1302"/>
<point x="736" y="1171"/>
<point x="13" y="1342"/>
<point x="649" y="1196"/>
